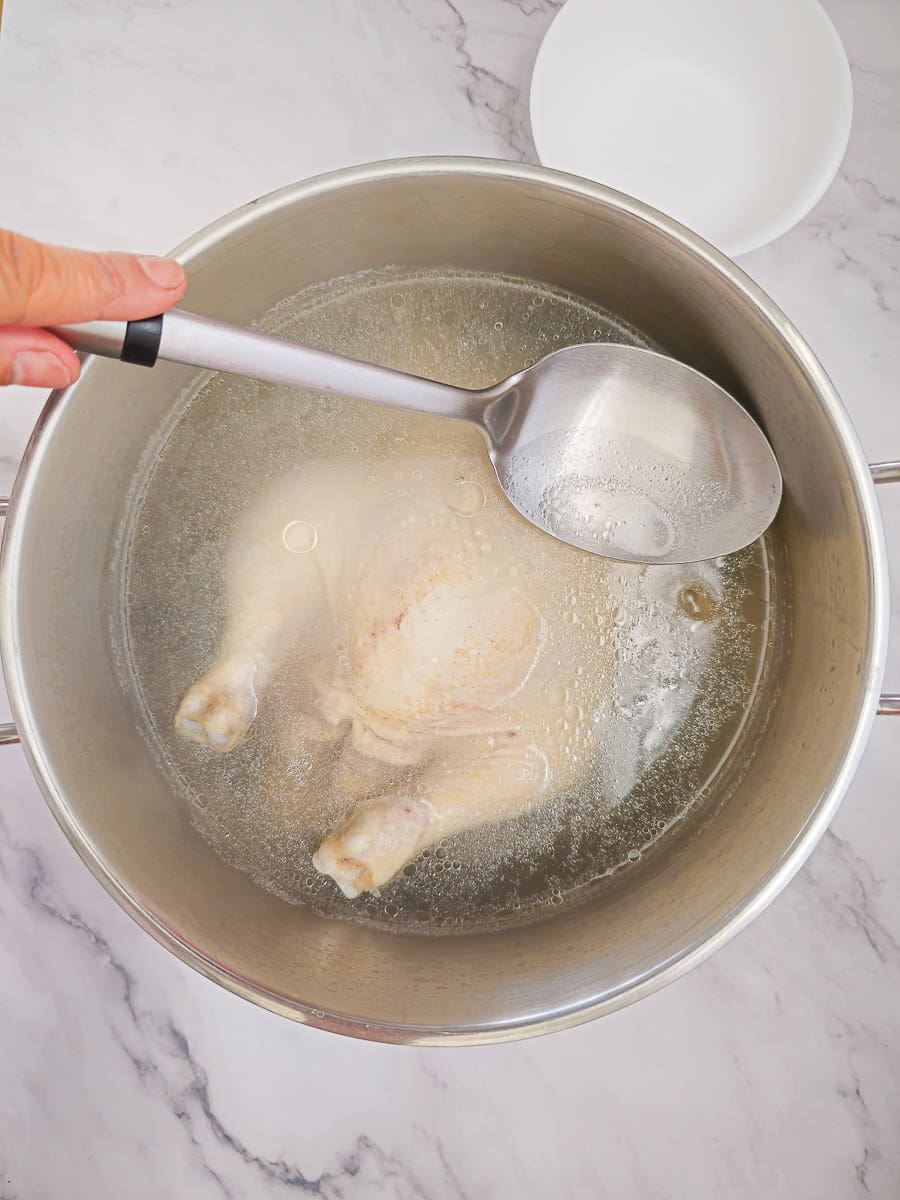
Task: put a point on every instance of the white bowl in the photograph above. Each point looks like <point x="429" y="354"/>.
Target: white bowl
<point x="732" y="116"/>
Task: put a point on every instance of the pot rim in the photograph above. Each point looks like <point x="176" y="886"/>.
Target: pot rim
<point x="754" y="902"/>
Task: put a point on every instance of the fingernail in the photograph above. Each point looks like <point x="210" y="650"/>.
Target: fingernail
<point x="164" y="272"/>
<point x="40" y="368"/>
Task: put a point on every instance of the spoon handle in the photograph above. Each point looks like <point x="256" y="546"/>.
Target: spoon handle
<point x="184" y="337"/>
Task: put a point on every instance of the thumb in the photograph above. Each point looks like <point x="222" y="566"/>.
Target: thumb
<point x="52" y="285"/>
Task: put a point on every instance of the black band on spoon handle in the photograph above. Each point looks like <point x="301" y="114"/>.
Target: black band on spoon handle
<point x="142" y="338"/>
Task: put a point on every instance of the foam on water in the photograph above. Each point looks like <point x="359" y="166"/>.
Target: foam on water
<point x="646" y="674"/>
<point x="611" y="494"/>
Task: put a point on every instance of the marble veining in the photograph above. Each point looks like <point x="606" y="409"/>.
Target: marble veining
<point x="774" y="1069"/>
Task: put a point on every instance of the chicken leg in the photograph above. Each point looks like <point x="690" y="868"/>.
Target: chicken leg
<point x="382" y="836"/>
<point x="273" y="593"/>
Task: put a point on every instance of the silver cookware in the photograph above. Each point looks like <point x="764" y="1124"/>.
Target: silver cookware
<point x="799" y="746"/>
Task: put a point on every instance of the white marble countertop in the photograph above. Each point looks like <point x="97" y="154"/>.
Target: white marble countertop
<point x="774" y="1069"/>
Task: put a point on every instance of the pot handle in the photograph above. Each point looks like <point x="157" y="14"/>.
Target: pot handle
<point x="887" y="472"/>
<point x="8" y="735"/>
<point x="888" y="705"/>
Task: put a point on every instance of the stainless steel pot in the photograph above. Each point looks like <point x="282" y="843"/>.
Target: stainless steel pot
<point x="798" y="751"/>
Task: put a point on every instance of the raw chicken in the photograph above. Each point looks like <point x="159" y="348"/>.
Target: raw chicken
<point x="435" y="635"/>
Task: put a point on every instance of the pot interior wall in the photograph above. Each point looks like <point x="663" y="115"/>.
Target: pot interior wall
<point x="123" y="815"/>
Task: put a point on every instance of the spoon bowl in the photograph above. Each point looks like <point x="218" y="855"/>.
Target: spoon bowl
<point x="629" y="454"/>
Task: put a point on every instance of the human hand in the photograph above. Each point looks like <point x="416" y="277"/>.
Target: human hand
<point x="52" y="285"/>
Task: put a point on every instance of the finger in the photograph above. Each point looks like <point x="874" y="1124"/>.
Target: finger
<point x="53" y="285"/>
<point x="35" y="358"/>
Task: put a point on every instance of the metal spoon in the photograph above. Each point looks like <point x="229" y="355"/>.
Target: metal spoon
<point x="614" y="449"/>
